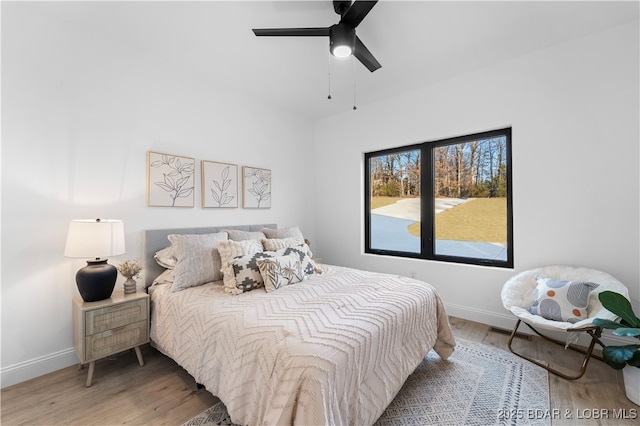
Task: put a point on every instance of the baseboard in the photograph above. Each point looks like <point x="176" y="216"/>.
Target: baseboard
<point x="33" y="368"/>
<point x="507" y="321"/>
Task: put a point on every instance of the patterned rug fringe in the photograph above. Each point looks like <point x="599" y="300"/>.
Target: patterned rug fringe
<point x="478" y="385"/>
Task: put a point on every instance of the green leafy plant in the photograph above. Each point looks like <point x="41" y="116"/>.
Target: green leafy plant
<point x="629" y="326"/>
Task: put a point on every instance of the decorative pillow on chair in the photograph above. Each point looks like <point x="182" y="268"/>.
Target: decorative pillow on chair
<point x="562" y="300"/>
<point x="198" y="261"/>
<point x="281" y="271"/>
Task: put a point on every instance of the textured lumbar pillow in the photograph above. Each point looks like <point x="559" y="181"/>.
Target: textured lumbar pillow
<point x="562" y="300"/>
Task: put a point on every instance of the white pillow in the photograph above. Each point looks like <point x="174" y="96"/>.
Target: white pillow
<point x="291" y="232"/>
<point x="560" y="300"/>
<point x="197" y="259"/>
<point x="167" y="277"/>
<point x="229" y="250"/>
<point x="280" y="271"/>
<point x="165" y="258"/>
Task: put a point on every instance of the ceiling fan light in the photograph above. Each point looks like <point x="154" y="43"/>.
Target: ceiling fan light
<point x="341" y="51"/>
<point x="342" y="40"/>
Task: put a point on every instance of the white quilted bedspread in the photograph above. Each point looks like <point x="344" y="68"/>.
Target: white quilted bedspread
<point x="332" y="350"/>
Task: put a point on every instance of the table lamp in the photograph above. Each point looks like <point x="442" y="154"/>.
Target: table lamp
<point x="96" y="239"/>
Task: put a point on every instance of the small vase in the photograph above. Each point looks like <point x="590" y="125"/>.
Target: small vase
<point x="632" y="383"/>
<point x="129" y="286"/>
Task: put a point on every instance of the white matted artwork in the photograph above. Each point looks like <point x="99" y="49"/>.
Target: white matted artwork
<point x="170" y="180"/>
<point x="256" y="188"/>
<point x="219" y="185"/>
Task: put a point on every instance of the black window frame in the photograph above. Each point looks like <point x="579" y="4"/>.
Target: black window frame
<point x="427" y="200"/>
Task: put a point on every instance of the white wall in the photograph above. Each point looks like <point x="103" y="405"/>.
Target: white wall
<point x="79" y="113"/>
<point x="574" y="110"/>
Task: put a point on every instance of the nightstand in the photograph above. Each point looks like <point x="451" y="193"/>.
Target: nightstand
<point x="109" y="326"/>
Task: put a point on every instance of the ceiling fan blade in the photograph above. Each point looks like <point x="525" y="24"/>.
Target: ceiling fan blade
<point x="357" y="12"/>
<point x="362" y="53"/>
<point x="310" y="32"/>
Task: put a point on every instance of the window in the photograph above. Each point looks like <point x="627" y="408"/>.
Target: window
<point x="446" y="200"/>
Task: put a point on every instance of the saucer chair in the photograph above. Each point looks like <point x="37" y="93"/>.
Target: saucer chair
<point x="519" y="294"/>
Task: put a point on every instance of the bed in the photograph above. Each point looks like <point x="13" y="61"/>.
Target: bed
<point x="333" y="349"/>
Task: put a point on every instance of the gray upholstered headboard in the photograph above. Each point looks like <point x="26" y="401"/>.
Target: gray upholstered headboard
<point x="156" y="239"/>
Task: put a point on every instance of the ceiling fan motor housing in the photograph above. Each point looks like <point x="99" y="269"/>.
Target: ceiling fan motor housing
<point x="341" y="7"/>
<point x="342" y="35"/>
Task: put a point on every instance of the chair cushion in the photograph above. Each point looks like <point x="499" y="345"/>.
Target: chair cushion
<point x="518" y="294"/>
<point x="561" y="300"/>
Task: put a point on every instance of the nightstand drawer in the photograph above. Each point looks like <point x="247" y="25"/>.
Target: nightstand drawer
<point x="116" y="340"/>
<point x="109" y="317"/>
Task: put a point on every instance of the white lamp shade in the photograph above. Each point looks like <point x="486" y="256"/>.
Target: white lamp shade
<point x="95" y="238"/>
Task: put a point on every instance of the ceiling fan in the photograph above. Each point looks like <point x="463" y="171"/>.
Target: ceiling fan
<point x="343" y="40"/>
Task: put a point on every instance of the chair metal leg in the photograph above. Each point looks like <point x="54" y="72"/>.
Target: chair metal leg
<point x="594" y="332"/>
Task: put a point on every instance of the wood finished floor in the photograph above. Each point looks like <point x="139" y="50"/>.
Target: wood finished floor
<point x="162" y="393"/>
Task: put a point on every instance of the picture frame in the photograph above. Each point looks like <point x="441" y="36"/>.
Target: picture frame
<point x="219" y="184"/>
<point x="170" y="180"/>
<point x="256" y="188"/>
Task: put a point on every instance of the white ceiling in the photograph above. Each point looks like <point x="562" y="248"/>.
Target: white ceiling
<point x="417" y="42"/>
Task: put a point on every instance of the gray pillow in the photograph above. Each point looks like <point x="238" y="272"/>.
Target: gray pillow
<point x="237" y="235"/>
<point x="197" y="259"/>
<point x="291" y="232"/>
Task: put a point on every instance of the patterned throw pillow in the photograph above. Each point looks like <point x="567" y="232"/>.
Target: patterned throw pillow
<point x="304" y="254"/>
<point x="243" y="273"/>
<point x="197" y="259"/>
<point x="562" y="300"/>
<point x="281" y="271"/>
<point x="229" y="250"/>
<point x="246" y="271"/>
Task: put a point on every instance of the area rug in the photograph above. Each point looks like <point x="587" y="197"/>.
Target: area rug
<point x="478" y="385"/>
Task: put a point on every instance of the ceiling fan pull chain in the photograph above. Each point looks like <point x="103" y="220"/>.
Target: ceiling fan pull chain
<point x="329" y="97"/>
<point x="354" y="84"/>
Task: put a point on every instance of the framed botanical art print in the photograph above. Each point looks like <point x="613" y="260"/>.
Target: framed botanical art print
<point x="256" y="188"/>
<point x="170" y="180"/>
<point x="219" y="185"/>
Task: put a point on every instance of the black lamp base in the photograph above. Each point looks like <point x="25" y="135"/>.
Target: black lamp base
<point x="96" y="280"/>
